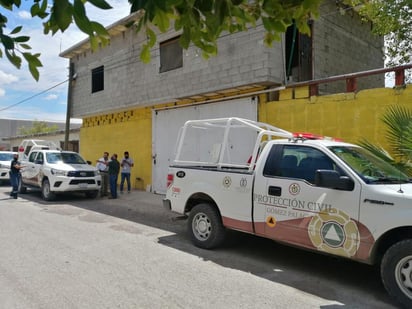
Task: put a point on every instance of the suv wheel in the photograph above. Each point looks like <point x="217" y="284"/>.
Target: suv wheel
<point x="46" y="193"/>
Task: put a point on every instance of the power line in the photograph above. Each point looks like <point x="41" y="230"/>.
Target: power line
<point x="33" y="96"/>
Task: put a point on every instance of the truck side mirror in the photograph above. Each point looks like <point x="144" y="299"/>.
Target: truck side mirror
<point x="332" y="179"/>
<point x="38" y="161"/>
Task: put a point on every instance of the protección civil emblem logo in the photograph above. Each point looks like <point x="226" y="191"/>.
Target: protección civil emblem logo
<point x="227" y="181"/>
<point x="294" y="189"/>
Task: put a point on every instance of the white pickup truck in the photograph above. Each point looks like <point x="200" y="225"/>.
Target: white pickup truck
<point x="54" y="171"/>
<point x="322" y="195"/>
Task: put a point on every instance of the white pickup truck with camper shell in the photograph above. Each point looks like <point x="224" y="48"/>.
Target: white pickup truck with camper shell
<point x="322" y="195"/>
<point x="55" y="171"/>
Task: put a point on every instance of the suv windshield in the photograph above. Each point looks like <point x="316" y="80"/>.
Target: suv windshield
<point x="368" y="166"/>
<point x="65" y="157"/>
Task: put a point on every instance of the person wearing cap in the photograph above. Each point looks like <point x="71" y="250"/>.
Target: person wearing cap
<point x="126" y="164"/>
<point x="15" y="175"/>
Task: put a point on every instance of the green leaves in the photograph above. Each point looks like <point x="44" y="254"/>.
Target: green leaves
<point x="202" y="22"/>
<point x="398" y="121"/>
<point x="12" y="46"/>
<point x="392" y="19"/>
<point x="34" y="63"/>
<point x="60" y="14"/>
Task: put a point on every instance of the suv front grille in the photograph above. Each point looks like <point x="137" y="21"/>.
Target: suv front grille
<point x="78" y="181"/>
<point x="80" y="174"/>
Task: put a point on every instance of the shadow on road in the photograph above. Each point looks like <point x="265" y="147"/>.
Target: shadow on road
<point x="331" y="278"/>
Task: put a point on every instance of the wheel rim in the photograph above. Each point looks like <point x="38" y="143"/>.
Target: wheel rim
<point x="403" y="275"/>
<point x="201" y="226"/>
<point x="46" y="189"/>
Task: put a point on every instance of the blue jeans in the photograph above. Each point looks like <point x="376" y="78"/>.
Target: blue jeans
<point x="113" y="185"/>
<point x="14" y="180"/>
<point x="125" y="176"/>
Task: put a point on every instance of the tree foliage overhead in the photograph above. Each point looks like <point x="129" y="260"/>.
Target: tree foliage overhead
<point x="201" y="22"/>
<point x="38" y="127"/>
<point x="392" y="19"/>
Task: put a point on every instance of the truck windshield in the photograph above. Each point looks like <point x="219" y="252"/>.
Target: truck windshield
<point x="69" y="158"/>
<point x="6" y="156"/>
<point x="369" y="167"/>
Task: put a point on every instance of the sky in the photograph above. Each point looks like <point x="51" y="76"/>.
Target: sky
<point x="21" y="96"/>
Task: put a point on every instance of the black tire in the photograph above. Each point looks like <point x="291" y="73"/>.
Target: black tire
<point x="46" y="193"/>
<point x="396" y="272"/>
<point x="91" y="194"/>
<point x="21" y="187"/>
<point x="205" y="227"/>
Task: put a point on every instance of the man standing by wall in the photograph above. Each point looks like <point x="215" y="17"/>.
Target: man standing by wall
<point x="15" y="175"/>
<point x="126" y="164"/>
<point x="114" y="168"/>
<point x="103" y="166"/>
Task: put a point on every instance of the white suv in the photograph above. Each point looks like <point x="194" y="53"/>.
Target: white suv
<point x="5" y="160"/>
<point x="56" y="171"/>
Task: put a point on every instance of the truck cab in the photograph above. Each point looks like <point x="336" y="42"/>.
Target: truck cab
<point x="321" y="194"/>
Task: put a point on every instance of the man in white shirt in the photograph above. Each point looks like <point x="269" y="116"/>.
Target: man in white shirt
<point x="126" y="165"/>
<point x="102" y="166"/>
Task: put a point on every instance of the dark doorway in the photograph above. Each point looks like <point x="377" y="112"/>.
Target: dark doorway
<point x="298" y="55"/>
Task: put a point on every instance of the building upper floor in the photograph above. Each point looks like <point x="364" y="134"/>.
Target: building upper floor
<point x="113" y="77"/>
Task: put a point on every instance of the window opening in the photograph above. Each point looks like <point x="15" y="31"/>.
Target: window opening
<point x="171" y="55"/>
<point x="98" y="79"/>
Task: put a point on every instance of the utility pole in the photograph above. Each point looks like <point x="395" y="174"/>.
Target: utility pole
<point x="69" y="106"/>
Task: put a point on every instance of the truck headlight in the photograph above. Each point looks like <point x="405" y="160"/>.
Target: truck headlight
<point x="58" y="172"/>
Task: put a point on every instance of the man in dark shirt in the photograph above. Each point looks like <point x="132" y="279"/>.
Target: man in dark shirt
<point x="114" y="168"/>
<point x="15" y="175"/>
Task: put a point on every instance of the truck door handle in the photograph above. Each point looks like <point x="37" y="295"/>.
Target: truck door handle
<point x="276" y="191"/>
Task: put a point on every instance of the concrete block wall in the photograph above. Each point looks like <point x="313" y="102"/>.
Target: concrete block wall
<point x="344" y="44"/>
<point x="242" y="59"/>
<point x="341" y="44"/>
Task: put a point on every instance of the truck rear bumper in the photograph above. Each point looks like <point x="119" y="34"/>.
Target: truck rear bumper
<point x="166" y="204"/>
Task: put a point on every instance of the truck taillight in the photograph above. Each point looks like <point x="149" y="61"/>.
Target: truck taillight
<point x="169" y="180"/>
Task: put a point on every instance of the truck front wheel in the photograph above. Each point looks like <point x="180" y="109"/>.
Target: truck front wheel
<point x="205" y="226"/>
<point x="46" y="193"/>
<point x="396" y="272"/>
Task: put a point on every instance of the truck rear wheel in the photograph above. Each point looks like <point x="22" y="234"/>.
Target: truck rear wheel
<point x="396" y="272"/>
<point x="205" y="226"/>
<point x="46" y="193"/>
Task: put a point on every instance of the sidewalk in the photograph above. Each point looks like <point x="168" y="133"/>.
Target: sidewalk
<point x="135" y="196"/>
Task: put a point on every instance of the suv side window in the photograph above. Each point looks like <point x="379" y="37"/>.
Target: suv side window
<point x="296" y="161"/>
<point x="40" y="157"/>
<point x="32" y="156"/>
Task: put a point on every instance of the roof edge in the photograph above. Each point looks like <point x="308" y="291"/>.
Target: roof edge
<point x="85" y="44"/>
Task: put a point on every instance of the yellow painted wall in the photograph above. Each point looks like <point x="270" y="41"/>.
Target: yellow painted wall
<point x="350" y="116"/>
<point x="119" y="132"/>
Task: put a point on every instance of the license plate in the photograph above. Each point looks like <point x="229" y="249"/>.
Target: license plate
<point x="82" y="185"/>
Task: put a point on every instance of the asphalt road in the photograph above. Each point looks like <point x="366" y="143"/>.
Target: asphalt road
<point x="131" y="253"/>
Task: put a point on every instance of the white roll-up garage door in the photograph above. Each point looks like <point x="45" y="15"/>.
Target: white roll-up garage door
<point x="166" y="125"/>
